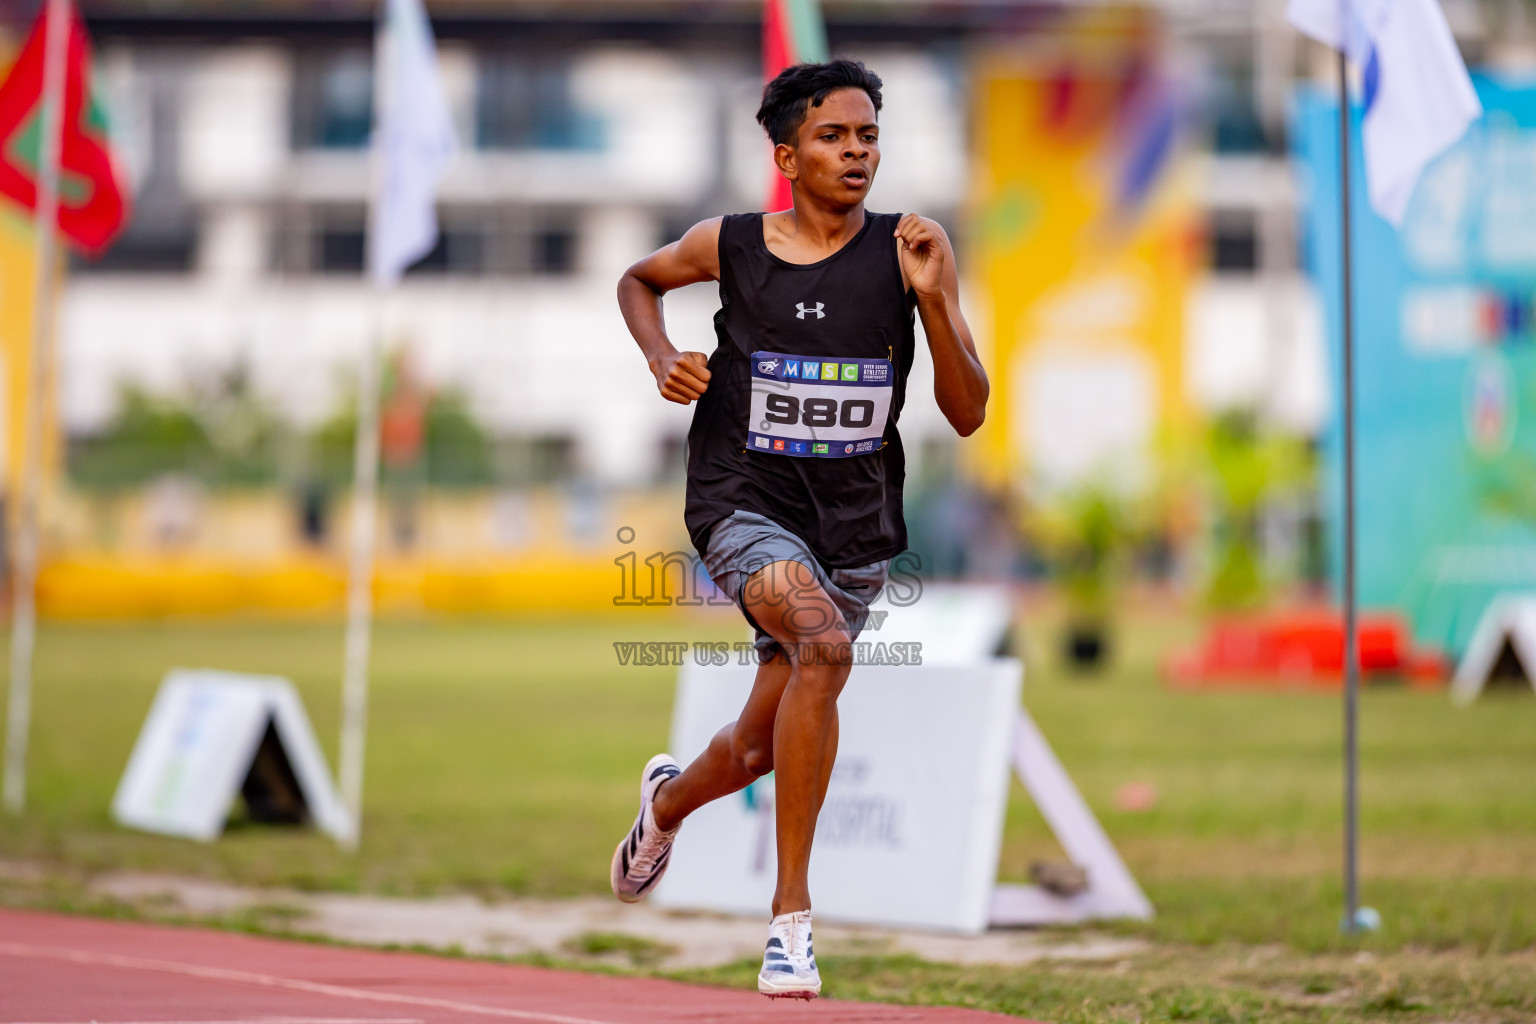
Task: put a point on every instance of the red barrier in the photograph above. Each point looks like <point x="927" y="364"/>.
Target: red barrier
<point x="1302" y="647"/>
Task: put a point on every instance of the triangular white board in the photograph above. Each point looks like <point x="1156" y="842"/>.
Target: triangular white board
<point x="199" y="744"/>
<point x="1112" y="890"/>
<point x="968" y="625"/>
<point x="1509" y="621"/>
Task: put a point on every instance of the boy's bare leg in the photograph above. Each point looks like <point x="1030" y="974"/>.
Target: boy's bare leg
<point x="791" y="607"/>
<point x="737" y="755"/>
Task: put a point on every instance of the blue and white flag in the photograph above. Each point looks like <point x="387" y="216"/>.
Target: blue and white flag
<point x="1418" y="96"/>
<point x="413" y="140"/>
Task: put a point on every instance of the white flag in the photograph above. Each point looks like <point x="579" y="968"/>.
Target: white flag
<point x="1418" y="96"/>
<point x="412" y="140"/>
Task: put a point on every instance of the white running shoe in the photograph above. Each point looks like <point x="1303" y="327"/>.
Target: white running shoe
<point x="789" y="963"/>
<point x="641" y="858"/>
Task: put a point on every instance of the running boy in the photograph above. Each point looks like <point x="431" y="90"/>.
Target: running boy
<point x="795" y="467"/>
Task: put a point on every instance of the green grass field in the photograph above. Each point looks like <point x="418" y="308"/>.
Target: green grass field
<point x="502" y="758"/>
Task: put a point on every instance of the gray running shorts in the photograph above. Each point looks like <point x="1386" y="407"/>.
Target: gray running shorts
<point x="744" y="542"/>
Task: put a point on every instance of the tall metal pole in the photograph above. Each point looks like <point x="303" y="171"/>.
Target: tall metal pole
<point x="1351" y="653"/>
<point x="365" y="503"/>
<point x="24" y="577"/>
<point x="365" y="493"/>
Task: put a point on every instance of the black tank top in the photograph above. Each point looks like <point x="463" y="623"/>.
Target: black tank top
<point x="821" y="459"/>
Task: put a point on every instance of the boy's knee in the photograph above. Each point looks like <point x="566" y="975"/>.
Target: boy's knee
<point x="752" y="752"/>
<point x="825" y="661"/>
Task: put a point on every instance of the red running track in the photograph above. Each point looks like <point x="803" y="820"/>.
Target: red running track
<point x="56" y="969"/>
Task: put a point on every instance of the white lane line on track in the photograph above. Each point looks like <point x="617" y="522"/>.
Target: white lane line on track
<point x="248" y="1020"/>
<point x="134" y="963"/>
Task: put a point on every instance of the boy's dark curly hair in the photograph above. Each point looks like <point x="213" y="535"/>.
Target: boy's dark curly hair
<point x="799" y="87"/>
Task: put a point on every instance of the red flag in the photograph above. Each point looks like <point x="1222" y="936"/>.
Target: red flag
<point x="792" y="32"/>
<point x="778" y="44"/>
<point x="93" y="207"/>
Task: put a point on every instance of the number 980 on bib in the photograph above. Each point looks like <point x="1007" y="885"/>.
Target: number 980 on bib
<point x="818" y="408"/>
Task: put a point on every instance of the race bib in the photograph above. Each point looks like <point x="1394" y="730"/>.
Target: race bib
<point x="818" y="408"/>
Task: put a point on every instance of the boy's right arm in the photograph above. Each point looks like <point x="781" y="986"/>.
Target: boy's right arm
<point x="681" y="377"/>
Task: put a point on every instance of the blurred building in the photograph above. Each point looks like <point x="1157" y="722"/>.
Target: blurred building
<point x="592" y="131"/>
<point x="590" y="134"/>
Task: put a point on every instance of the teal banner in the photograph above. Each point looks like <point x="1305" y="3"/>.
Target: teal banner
<point x="1445" y="368"/>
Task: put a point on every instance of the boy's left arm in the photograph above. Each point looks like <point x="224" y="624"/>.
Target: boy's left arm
<point x="928" y="264"/>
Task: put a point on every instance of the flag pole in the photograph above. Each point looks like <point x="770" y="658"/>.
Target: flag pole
<point x="365" y="501"/>
<point x="365" y="488"/>
<point x="412" y="139"/>
<point x="24" y="577"/>
<point x="1351" y="652"/>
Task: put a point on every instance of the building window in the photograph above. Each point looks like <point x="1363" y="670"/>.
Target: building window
<point x="149" y="250"/>
<point x="531" y="461"/>
<point x="554" y="251"/>
<point x="333" y="100"/>
<point x="1235" y="123"/>
<point x="674" y="457"/>
<point x="341" y="250"/>
<point x="524" y="101"/>
<point x="523" y="243"/>
<point x="471" y="243"/>
<point x="1234" y="241"/>
<point x="674" y="226"/>
<point x="161" y="235"/>
<point x="459" y="250"/>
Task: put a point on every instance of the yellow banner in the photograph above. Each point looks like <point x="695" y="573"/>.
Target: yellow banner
<point x="1085" y="277"/>
<point x="18" y="297"/>
<point x="18" y="284"/>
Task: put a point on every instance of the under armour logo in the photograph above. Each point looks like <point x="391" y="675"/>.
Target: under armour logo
<point x="803" y="310"/>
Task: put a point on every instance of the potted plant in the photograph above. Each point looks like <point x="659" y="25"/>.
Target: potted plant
<point x="1085" y="533"/>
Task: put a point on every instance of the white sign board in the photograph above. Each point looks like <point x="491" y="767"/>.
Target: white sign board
<point x="1508" y="624"/>
<point x="197" y="748"/>
<point x="956" y="625"/>
<point x="912" y="824"/>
